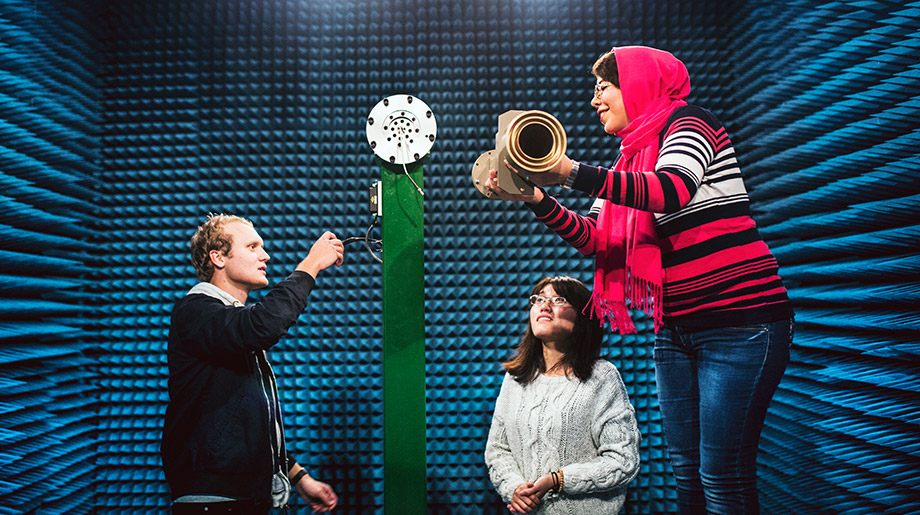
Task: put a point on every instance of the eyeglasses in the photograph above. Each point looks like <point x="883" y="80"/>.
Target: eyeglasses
<point x="539" y="300"/>
<point x="600" y="87"/>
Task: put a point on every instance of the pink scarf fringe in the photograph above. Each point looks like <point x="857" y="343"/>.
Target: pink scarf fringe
<point x="642" y="294"/>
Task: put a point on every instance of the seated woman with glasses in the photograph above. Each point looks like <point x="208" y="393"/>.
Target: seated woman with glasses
<point x="563" y="424"/>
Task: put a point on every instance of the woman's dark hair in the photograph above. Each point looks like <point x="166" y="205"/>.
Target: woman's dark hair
<point x="606" y="68"/>
<point x="580" y="350"/>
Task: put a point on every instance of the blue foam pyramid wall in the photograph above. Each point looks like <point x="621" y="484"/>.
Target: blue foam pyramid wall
<point x="123" y="124"/>
<point x="49" y="115"/>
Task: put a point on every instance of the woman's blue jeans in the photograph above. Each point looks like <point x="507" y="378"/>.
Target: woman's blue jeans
<point x="714" y="387"/>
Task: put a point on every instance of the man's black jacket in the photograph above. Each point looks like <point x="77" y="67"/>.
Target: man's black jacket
<point x="217" y="434"/>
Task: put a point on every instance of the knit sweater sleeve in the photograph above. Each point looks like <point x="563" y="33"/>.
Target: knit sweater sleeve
<point x="689" y="147"/>
<point x="575" y="229"/>
<point x="503" y="469"/>
<point x="616" y="433"/>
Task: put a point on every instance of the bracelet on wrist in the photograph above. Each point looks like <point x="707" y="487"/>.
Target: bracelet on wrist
<point x="570" y="180"/>
<point x="298" y="476"/>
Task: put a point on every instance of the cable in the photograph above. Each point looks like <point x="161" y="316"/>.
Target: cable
<point x="413" y="180"/>
<point x="368" y="241"/>
<point x="355" y="239"/>
<point x="405" y="146"/>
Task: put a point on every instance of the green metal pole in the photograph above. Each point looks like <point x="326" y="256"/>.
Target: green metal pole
<point x="404" y="423"/>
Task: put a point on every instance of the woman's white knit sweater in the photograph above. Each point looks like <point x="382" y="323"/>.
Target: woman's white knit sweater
<point x="587" y="429"/>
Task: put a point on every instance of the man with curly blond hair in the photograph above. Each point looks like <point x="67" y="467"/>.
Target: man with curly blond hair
<point x="223" y="444"/>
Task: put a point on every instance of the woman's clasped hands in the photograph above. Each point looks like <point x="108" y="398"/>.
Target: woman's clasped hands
<point x="528" y="496"/>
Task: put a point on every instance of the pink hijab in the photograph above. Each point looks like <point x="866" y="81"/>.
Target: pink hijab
<point x="628" y="257"/>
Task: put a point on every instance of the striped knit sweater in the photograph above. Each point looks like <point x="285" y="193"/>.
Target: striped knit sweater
<point x="718" y="272"/>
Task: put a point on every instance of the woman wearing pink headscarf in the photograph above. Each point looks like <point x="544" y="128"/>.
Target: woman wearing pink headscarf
<point x="671" y="231"/>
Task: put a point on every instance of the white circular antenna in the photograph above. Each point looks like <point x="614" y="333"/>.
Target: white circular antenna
<point x="401" y="129"/>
